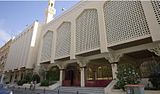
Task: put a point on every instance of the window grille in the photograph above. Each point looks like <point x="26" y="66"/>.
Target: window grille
<point x="63" y="40"/>
<point x="156" y="7"/>
<point x="124" y="21"/>
<point x="47" y="46"/>
<point x="87" y="31"/>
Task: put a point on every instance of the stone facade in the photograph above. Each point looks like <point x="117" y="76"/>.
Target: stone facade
<point x="89" y="41"/>
<point x="4" y="50"/>
<point x="23" y="52"/>
<point x="114" y="31"/>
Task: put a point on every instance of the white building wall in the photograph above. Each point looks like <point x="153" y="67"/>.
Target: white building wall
<point x="34" y="46"/>
<point x="22" y="53"/>
<point x="105" y="33"/>
<point x="23" y="50"/>
<point x="152" y="19"/>
<point x="66" y="17"/>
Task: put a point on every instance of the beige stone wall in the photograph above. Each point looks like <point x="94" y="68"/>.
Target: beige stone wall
<point x="4" y="50"/>
<point x="146" y="28"/>
<point x="24" y="48"/>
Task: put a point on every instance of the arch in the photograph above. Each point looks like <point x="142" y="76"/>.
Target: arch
<point x="101" y="67"/>
<point x="72" y="75"/>
<point x="99" y="73"/>
<point x="147" y="67"/>
<point x="45" y="34"/>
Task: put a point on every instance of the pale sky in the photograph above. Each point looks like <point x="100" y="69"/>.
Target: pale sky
<point x="16" y="14"/>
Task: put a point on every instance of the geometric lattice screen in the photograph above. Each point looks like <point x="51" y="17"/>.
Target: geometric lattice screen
<point x="87" y="31"/>
<point x="156" y="7"/>
<point x="63" y="40"/>
<point x="47" y="46"/>
<point x="124" y="21"/>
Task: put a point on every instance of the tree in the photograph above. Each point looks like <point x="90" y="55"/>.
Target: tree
<point x="42" y="73"/>
<point x="36" y="78"/>
<point x="28" y="77"/>
<point x="127" y="75"/>
<point x="53" y="74"/>
<point x="154" y="78"/>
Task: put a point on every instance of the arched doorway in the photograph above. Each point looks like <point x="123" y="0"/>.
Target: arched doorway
<point x="72" y="75"/>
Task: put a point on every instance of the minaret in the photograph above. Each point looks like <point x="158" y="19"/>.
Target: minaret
<point x="50" y="11"/>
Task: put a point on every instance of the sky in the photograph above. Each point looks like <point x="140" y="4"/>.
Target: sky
<point x="15" y="15"/>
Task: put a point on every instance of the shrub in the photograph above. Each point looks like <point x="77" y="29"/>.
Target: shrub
<point x="154" y="78"/>
<point x="21" y="82"/>
<point x="53" y="74"/>
<point x="7" y="82"/>
<point x="44" y="83"/>
<point x="28" y="77"/>
<point x="127" y="75"/>
<point x="36" y="78"/>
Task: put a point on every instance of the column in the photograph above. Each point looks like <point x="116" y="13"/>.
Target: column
<point x="82" y="61"/>
<point x="82" y="76"/>
<point x="19" y="75"/>
<point x="2" y="77"/>
<point x="13" y="77"/>
<point x="73" y="39"/>
<point x="102" y="29"/>
<point x="61" y="76"/>
<point x="114" y="70"/>
<point x="113" y="58"/>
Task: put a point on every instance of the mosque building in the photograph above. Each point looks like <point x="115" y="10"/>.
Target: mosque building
<point x="88" y="41"/>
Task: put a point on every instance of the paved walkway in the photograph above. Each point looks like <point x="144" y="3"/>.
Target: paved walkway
<point x="27" y="91"/>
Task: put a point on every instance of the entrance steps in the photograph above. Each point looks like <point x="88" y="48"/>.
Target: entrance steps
<point x="81" y="90"/>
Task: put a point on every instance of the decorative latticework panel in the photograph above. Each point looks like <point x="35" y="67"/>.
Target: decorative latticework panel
<point x="47" y="46"/>
<point x="63" y="40"/>
<point x="124" y="21"/>
<point x="156" y="7"/>
<point x="87" y="31"/>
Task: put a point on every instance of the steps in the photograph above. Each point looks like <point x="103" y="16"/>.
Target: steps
<point x="81" y="90"/>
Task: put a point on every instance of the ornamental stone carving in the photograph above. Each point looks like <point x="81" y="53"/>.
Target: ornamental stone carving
<point x="82" y="61"/>
<point x="113" y="57"/>
<point x="61" y="65"/>
<point x="156" y="50"/>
